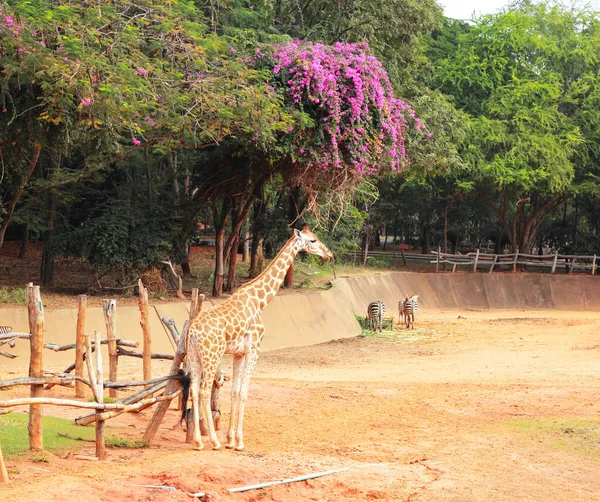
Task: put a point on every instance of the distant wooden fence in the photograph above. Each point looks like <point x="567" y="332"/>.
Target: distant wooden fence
<point x="581" y="263"/>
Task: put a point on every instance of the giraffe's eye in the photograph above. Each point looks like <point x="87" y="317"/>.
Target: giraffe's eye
<point x="313" y="241"/>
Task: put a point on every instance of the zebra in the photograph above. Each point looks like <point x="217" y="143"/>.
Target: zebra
<point x="375" y="315"/>
<point x="411" y="307"/>
<point x="5" y="330"/>
<point x="401" y="304"/>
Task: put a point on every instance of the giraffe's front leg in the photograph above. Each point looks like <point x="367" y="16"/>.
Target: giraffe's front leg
<point x="236" y="384"/>
<point x="205" y="393"/>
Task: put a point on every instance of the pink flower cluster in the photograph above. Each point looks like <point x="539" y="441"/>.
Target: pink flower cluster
<point x="8" y="23"/>
<point x="362" y="123"/>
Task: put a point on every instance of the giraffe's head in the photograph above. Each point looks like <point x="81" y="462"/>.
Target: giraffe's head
<point x="311" y="243"/>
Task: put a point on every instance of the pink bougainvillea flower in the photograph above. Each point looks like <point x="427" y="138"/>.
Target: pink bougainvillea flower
<point x="150" y="121"/>
<point x="359" y="120"/>
<point x="142" y="71"/>
<point x="86" y="102"/>
<point x="136" y="141"/>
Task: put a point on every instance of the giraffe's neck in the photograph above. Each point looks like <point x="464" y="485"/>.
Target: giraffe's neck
<point x="261" y="290"/>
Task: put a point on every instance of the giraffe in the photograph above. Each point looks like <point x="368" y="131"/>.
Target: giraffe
<point x="235" y="327"/>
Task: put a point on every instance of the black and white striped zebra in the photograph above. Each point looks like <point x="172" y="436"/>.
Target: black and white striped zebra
<point x="375" y="315"/>
<point x="411" y="307"/>
<point x="5" y="329"/>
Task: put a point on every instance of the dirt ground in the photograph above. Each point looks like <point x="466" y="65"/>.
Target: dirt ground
<point x="467" y="407"/>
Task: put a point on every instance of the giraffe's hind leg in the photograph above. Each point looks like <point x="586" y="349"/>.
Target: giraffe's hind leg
<point x="195" y="393"/>
<point x="236" y="384"/>
<point x="251" y="359"/>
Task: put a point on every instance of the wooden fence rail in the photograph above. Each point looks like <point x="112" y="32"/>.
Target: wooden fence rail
<point x="477" y="259"/>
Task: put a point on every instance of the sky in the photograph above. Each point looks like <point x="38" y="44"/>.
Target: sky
<point x="463" y="9"/>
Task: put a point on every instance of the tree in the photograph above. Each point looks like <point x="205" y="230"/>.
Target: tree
<point x="528" y="77"/>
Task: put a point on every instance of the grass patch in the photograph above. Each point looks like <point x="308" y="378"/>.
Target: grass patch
<point x="15" y="440"/>
<point x="106" y="400"/>
<point x="396" y="332"/>
<point x="575" y="434"/>
<point x="14" y="295"/>
<point x="118" y="442"/>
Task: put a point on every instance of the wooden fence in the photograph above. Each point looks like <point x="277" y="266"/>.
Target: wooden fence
<point x="512" y="261"/>
<point x="85" y="346"/>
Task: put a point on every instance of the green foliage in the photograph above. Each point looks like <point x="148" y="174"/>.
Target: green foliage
<point x="15" y="295"/>
<point x="527" y="76"/>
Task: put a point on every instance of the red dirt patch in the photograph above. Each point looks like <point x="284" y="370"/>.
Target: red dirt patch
<point x="432" y="406"/>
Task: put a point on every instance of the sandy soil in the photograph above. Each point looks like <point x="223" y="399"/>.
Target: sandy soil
<point x="435" y="408"/>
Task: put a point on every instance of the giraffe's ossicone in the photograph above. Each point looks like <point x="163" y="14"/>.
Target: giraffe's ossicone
<point x="235" y="327"/>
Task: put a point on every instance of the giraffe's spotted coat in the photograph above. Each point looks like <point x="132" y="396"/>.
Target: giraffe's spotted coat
<point x="235" y="327"/>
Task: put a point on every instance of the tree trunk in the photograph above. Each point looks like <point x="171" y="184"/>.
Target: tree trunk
<point x="230" y="286"/>
<point x="293" y="215"/>
<point x="220" y="223"/>
<point x="37" y="148"/>
<point x="24" y="242"/>
<point x="47" y="262"/>
<point x="256" y="250"/>
<point x="256" y="255"/>
<point x="365" y="244"/>
<point x="246" y="246"/>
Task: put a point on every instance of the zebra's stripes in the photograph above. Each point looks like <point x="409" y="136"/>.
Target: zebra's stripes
<point x="410" y="309"/>
<point x="5" y="329"/>
<point x="375" y="315"/>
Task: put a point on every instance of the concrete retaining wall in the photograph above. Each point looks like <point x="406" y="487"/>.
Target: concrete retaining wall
<point x="293" y="320"/>
<point x="473" y="291"/>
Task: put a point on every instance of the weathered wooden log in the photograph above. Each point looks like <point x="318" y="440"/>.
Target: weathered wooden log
<point x="110" y="319"/>
<point x="8" y="354"/>
<point x="11" y="342"/>
<point x="170" y="324"/>
<point x="161" y="410"/>
<point x="70" y="346"/>
<point x="80" y="343"/>
<point x="138" y="406"/>
<point x="3" y="471"/>
<point x="67" y="381"/>
<point x="124" y="352"/>
<point x="88" y="419"/>
<point x="99" y="394"/>
<point x="145" y="324"/>
<point x="36" y="366"/>
<point x="137" y="383"/>
<point x="7" y="336"/>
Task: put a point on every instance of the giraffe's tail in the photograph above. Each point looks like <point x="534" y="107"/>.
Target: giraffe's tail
<point x="184" y="380"/>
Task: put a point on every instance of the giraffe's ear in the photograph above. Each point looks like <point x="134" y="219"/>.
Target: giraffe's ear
<point x="297" y="233"/>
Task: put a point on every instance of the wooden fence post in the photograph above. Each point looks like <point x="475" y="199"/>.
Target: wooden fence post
<point x="572" y="265"/>
<point x="515" y="261"/>
<point x="110" y="319"/>
<point x="36" y="368"/>
<point x="476" y="260"/>
<point x="493" y="263"/>
<point x="594" y="265"/>
<point x="80" y="345"/>
<point x="145" y="324"/>
<point x="554" y="262"/>
<point x="180" y="354"/>
<point x="437" y="263"/>
<point x="97" y="382"/>
<point x="3" y="471"/>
